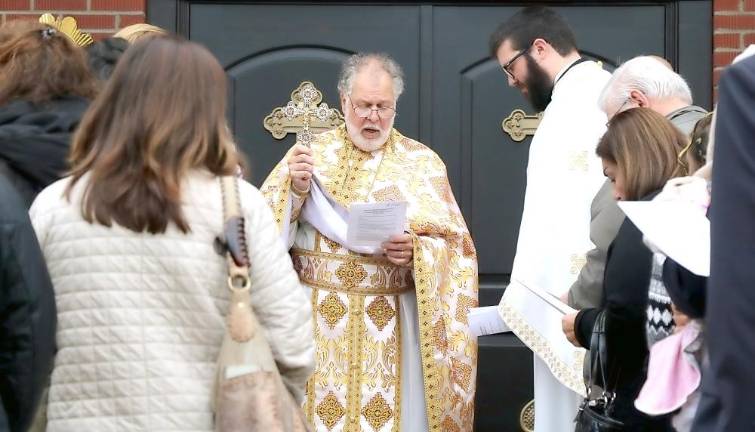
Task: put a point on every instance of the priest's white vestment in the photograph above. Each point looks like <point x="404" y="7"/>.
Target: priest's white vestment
<point x="563" y="176"/>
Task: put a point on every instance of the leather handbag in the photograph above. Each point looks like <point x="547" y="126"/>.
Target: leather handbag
<point x="594" y="413"/>
<point x="249" y="394"/>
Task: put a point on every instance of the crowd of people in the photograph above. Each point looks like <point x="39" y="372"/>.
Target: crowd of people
<point x="117" y="293"/>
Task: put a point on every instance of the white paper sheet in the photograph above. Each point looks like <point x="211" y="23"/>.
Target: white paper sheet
<point x="678" y="229"/>
<point x="548" y="298"/>
<point x="371" y="224"/>
<point x="485" y="321"/>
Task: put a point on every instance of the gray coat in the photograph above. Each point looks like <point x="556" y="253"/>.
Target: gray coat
<point x="605" y="220"/>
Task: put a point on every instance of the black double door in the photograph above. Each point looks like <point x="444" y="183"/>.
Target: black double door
<point x="455" y="100"/>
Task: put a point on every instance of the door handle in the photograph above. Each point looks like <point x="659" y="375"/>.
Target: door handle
<point x="519" y="125"/>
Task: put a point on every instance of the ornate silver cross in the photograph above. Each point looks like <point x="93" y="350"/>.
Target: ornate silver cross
<point x="303" y="115"/>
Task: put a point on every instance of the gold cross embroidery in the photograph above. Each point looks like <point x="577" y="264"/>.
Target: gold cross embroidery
<point x="578" y="161"/>
<point x="577" y="262"/>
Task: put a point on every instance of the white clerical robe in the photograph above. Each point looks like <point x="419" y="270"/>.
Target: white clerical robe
<point x="563" y="176"/>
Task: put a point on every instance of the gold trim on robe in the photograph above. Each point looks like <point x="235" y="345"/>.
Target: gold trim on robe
<point x="356" y="385"/>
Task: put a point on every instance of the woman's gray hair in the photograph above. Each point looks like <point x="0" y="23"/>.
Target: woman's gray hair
<point x="647" y="75"/>
<point x="354" y="63"/>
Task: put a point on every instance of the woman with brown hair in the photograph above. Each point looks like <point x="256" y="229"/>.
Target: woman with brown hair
<point x="45" y="87"/>
<point x="639" y="152"/>
<point x="129" y="241"/>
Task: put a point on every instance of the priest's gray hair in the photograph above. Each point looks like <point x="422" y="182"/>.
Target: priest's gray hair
<point x="354" y="63"/>
<point x="648" y="75"/>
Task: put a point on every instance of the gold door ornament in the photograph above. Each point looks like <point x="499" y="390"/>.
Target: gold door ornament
<point x="304" y="115"/>
<point x="527" y="417"/>
<point x="519" y="125"/>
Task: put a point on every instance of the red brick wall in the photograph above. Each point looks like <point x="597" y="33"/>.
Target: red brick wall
<point x="733" y="30"/>
<point x="101" y="18"/>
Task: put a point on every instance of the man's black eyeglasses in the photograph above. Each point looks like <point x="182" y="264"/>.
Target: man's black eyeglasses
<point x="507" y="67"/>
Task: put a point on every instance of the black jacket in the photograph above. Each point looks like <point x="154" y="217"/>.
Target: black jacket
<point x="27" y="314"/>
<point x="625" y="300"/>
<point x="726" y="402"/>
<point x="34" y="142"/>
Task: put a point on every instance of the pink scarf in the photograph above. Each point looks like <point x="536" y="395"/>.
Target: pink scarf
<point x="673" y="373"/>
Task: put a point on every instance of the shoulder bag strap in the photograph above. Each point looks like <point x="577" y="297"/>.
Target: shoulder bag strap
<point x="599" y="357"/>
<point x="240" y="323"/>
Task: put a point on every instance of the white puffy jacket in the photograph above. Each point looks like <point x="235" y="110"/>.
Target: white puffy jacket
<point x="141" y="316"/>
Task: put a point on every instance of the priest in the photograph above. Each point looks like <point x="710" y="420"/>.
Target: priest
<point x="394" y="350"/>
<point x="538" y="53"/>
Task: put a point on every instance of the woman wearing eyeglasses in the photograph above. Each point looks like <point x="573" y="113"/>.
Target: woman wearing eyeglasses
<point x="639" y="153"/>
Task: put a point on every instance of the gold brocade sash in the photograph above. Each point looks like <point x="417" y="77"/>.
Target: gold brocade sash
<point x="351" y="274"/>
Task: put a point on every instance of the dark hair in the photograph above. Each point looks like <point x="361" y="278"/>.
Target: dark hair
<point x="39" y="64"/>
<point x="531" y="23"/>
<point x="645" y="146"/>
<point x="160" y="116"/>
<point x="698" y="150"/>
<point x="104" y="55"/>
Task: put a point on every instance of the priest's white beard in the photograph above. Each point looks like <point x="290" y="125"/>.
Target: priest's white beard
<point x="369" y="145"/>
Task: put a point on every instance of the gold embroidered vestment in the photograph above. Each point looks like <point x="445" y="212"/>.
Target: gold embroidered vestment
<point x="356" y="299"/>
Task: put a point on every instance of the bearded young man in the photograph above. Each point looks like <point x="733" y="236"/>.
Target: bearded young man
<point x="394" y="350"/>
<point x="538" y="53"/>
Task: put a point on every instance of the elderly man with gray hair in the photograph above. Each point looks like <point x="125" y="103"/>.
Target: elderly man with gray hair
<point x="649" y="82"/>
<point x="394" y="351"/>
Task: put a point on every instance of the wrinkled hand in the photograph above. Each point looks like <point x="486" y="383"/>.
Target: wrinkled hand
<point x="300" y="167"/>
<point x="399" y="249"/>
<point x="567" y="325"/>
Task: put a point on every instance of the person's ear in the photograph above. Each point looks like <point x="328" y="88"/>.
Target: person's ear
<point x="639" y="98"/>
<point x="540" y="48"/>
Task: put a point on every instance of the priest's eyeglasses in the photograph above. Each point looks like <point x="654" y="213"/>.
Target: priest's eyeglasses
<point x="383" y="113"/>
<point x="507" y="66"/>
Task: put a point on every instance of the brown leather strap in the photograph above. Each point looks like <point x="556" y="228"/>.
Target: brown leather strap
<point x="239" y="320"/>
<point x="234" y="229"/>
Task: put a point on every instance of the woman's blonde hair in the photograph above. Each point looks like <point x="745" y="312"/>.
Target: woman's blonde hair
<point x="645" y="146"/>
<point x="161" y="115"/>
<point x="136" y="32"/>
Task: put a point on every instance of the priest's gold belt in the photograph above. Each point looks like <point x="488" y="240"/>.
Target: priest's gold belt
<point x="352" y="274"/>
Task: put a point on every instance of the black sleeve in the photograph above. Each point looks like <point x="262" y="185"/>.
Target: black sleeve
<point x="686" y="289"/>
<point x="27" y="322"/>
<point x="626" y="285"/>
<point x="584" y="324"/>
